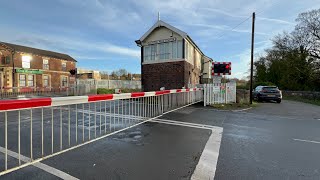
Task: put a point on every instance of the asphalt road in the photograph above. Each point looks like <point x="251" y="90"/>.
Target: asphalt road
<point x="271" y="141"/>
<point x="264" y="143"/>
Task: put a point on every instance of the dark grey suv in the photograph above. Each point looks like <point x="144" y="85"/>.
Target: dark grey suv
<point x="262" y="93"/>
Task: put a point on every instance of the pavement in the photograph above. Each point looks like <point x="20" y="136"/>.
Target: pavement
<point x="271" y="141"/>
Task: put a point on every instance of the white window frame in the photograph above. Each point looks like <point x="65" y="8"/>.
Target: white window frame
<point x="25" y="80"/>
<point x="26" y="61"/>
<point x="61" y="81"/>
<point x="28" y="80"/>
<point x="64" y="68"/>
<point x="45" y="65"/>
<point x="153" y="52"/>
<point x="163" y="52"/>
<point x="43" y="80"/>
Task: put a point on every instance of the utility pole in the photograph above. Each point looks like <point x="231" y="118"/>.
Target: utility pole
<point x="252" y="48"/>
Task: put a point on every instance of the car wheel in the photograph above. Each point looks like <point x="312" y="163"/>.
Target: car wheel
<point x="259" y="99"/>
<point x="279" y="101"/>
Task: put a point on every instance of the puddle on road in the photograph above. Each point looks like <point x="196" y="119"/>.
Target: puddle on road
<point x="134" y="137"/>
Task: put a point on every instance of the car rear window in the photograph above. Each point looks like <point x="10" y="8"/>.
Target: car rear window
<point x="270" y="88"/>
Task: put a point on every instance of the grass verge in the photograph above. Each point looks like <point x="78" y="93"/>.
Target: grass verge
<point x="301" y="99"/>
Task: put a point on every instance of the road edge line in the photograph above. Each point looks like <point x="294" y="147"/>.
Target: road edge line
<point x="51" y="170"/>
<point x="207" y="164"/>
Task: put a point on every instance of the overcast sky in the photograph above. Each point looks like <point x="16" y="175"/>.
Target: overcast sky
<point x="100" y="34"/>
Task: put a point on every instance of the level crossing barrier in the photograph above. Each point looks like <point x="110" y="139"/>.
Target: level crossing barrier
<point x="32" y="130"/>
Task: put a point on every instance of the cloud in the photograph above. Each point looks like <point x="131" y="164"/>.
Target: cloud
<point x="275" y="20"/>
<point x="222" y="30"/>
<point x="233" y="15"/>
<point x="120" y="50"/>
<point x="223" y="12"/>
<point x="69" y="45"/>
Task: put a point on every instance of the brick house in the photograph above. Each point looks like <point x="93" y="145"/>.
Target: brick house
<point x="169" y="58"/>
<point x="29" y="68"/>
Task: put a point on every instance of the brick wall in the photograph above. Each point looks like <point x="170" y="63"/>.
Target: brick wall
<point x="55" y="70"/>
<point x="171" y="75"/>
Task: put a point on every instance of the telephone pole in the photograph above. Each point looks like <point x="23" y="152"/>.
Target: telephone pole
<point x="252" y="49"/>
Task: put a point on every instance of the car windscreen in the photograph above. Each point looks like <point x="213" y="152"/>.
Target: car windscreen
<point x="270" y="88"/>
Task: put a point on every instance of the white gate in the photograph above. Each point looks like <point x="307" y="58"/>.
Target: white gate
<point x="219" y="93"/>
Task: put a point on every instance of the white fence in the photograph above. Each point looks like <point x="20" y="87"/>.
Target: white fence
<point x="39" y="128"/>
<point x="219" y="93"/>
<point x="112" y="84"/>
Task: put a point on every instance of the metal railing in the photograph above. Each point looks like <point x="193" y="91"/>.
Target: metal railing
<point x="35" y="129"/>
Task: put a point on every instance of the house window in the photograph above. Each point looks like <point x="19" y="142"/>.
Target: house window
<point x="46" y="80"/>
<point x="22" y="80"/>
<point x="150" y="53"/>
<point x="64" y="66"/>
<point x="161" y="53"/>
<point x="7" y="59"/>
<point x="26" y="61"/>
<point x="168" y="51"/>
<point x="179" y="49"/>
<point x="153" y="52"/>
<point x="147" y="53"/>
<point x="30" y="80"/>
<point x="164" y="51"/>
<point x="64" y="81"/>
<point x="174" y="50"/>
<point x="45" y="64"/>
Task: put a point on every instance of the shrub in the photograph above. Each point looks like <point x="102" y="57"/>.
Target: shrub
<point x="105" y="91"/>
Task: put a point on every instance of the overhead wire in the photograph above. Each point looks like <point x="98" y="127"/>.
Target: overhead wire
<point x="249" y="17"/>
<point x="235" y="27"/>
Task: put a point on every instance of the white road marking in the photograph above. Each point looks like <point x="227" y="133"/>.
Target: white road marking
<point x="207" y="164"/>
<point x="40" y="165"/>
<point x="206" y="167"/>
<point x="309" y="141"/>
<point x="186" y="124"/>
<point x="177" y="124"/>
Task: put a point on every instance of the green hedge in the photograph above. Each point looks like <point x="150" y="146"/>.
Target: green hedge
<point x="130" y="90"/>
<point x="111" y="91"/>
